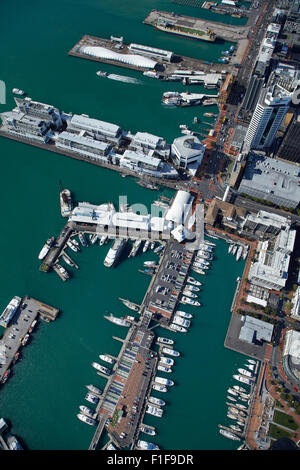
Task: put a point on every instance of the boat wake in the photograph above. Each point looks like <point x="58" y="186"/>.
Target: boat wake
<point x="124" y="78"/>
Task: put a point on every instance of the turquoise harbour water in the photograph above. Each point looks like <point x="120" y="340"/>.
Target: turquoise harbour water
<point x="41" y="399"/>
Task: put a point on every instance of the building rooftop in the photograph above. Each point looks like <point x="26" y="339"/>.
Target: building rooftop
<point x="102" y="127"/>
<point x="144" y="138"/>
<point x="188" y="146"/>
<point x="87" y="141"/>
<point x="272" y="177"/>
<point x="254" y="329"/>
<point x="137" y="157"/>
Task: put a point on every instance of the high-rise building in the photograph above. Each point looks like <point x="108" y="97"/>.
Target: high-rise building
<point x="290" y="145"/>
<point x="269" y="113"/>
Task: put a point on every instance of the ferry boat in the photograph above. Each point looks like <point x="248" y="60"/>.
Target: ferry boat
<point x="146" y="246"/>
<point x="154" y="410"/>
<point x="229" y="435"/>
<point x="75" y="242"/>
<point x="156" y="401"/>
<point x="107" y="358"/>
<point x="147" y="430"/>
<point x="5" y="376"/>
<point x="232" y="392"/>
<point x="18" y="91"/>
<point x="151" y="74"/>
<point x="135" y="248"/>
<point x="90" y="397"/>
<point x="178" y="328"/>
<point x="239" y="389"/>
<point x="13" y="443"/>
<point x="71" y="245"/>
<point x="130" y="305"/>
<point x="204" y="35"/>
<point x="162" y="340"/>
<point x="188" y="293"/>
<point x="25" y="339"/>
<point x="10" y="310"/>
<point x="163" y="368"/>
<point x="94" y="389"/>
<point x="184" y="314"/>
<point x="171" y="352"/>
<point x="114" y="252"/>
<point x="68" y="261"/>
<point x="88" y="411"/>
<point x="46" y="248"/>
<point x="163" y="381"/>
<point x="158" y="249"/>
<point x="245" y="372"/>
<point x="150" y="264"/>
<point x="66" y="204"/>
<point x="103" y="239"/>
<point x="231" y="398"/>
<point x="63" y="271"/>
<point x="239" y="252"/>
<point x="198" y="270"/>
<point x="187" y="300"/>
<point x="251" y="361"/>
<point x="181" y="321"/>
<point x="82" y="239"/>
<point x="191" y="280"/>
<point x="100" y="73"/>
<point x="31" y="328"/>
<point x="166" y="360"/>
<point x="102" y="369"/>
<point x="86" y="419"/>
<point x="16" y="357"/>
<point x="93" y="238"/>
<point x="159" y="388"/>
<point x="117" y="320"/>
<point x="231" y="416"/>
<point x="144" y="445"/>
<point x="192" y="288"/>
<point x="242" y="378"/>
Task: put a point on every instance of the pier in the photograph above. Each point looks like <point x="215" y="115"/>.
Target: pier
<point x="165" y="68"/>
<point x="19" y="327"/>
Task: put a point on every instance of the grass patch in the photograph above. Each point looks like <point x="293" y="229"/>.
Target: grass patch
<point x="278" y="404"/>
<point x="277" y="433"/>
<point x="285" y="420"/>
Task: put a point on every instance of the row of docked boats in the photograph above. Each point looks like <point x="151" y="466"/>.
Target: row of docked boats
<point x="238" y="397"/>
<point x="238" y="250"/>
<point x="87" y="414"/>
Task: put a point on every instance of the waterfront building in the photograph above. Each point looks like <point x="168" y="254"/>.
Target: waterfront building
<point x="291" y="356"/>
<point x="295" y="310"/>
<point x="290" y="145"/>
<point x="271" y="268"/>
<point x="180" y="208"/>
<point x="134" y="60"/>
<point x="269" y="113"/>
<point x="45" y="112"/>
<point x="98" y="129"/>
<point x="264" y="224"/>
<point x="187" y="153"/>
<point x="159" y="54"/>
<point x="27" y="126"/>
<point x="86" y="146"/>
<point x="232" y="216"/>
<point x="145" y="142"/>
<point x="255" y="330"/>
<point x="271" y="180"/>
<point x="147" y="165"/>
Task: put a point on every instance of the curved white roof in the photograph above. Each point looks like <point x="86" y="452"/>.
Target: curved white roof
<point x="131" y="59"/>
<point x="180" y="207"/>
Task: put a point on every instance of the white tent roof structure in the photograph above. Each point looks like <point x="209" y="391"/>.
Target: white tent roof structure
<point x="130" y="59"/>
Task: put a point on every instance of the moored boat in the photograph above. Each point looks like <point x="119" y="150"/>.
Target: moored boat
<point x="162" y="340"/>
<point x="159" y="388"/>
<point x="102" y="369"/>
<point x="170" y="351"/>
<point x="117" y="320"/>
<point x="86" y="419"/>
<point x="46" y="248"/>
<point x="107" y="358"/>
<point x="94" y="389"/>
